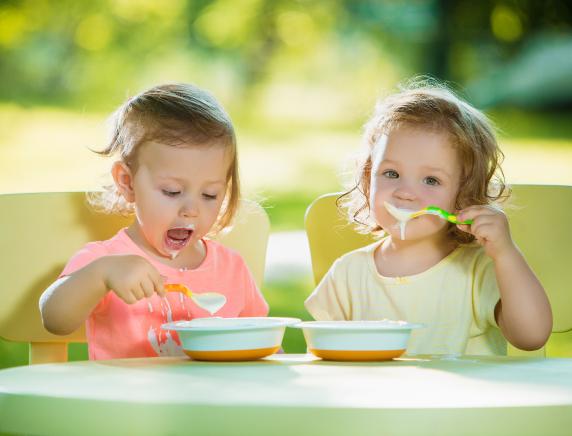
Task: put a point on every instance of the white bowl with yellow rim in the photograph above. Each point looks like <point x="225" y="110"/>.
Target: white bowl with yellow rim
<point x="357" y="340"/>
<point x="231" y="339"/>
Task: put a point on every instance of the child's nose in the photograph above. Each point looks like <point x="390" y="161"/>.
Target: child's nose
<point x="189" y="209"/>
<point x="405" y="192"/>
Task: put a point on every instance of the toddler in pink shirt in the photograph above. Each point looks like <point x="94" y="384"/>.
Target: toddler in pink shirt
<point x="177" y="172"/>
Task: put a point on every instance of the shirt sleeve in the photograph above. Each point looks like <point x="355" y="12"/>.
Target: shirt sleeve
<point x="330" y="300"/>
<point x="89" y="253"/>
<point x="486" y="294"/>
<point x="83" y="257"/>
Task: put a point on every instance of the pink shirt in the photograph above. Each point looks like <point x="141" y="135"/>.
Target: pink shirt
<point x="116" y="329"/>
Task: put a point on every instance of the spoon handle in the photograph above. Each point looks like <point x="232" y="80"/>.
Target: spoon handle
<point x="437" y="211"/>
<point x="177" y="287"/>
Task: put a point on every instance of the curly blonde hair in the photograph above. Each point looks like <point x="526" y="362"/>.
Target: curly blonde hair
<point x="177" y="115"/>
<point x="431" y="105"/>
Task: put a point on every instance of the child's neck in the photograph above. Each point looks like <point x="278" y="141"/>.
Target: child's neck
<point x="397" y="258"/>
<point x="189" y="258"/>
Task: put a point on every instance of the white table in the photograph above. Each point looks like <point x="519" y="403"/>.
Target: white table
<point x="290" y="394"/>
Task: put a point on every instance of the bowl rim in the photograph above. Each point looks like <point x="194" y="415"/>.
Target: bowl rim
<point x="369" y="325"/>
<point x="273" y="322"/>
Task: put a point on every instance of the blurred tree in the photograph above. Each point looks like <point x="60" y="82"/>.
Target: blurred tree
<point x="244" y="30"/>
<point x="65" y="51"/>
<point x="90" y="53"/>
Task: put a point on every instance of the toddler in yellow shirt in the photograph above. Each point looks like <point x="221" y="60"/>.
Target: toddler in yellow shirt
<point x="469" y="284"/>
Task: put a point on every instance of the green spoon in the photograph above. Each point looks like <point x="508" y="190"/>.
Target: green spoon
<point x="437" y="211"/>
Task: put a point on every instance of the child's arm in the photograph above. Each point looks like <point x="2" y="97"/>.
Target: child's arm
<point x="67" y="303"/>
<point x="523" y="314"/>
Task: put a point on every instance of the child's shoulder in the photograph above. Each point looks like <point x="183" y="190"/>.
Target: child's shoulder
<point x="359" y="256"/>
<point x="471" y="257"/>
<point x="472" y="251"/>
<point x="469" y="254"/>
<point x="221" y="251"/>
<point x="118" y="243"/>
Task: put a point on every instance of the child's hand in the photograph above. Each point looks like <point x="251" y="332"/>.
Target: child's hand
<point x="132" y="278"/>
<point x="490" y="228"/>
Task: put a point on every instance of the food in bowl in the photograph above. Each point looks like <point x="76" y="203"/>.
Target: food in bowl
<point x="231" y="339"/>
<point x="357" y="340"/>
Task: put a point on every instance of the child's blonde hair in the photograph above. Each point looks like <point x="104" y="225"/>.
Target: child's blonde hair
<point x="428" y="104"/>
<point x="177" y="115"/>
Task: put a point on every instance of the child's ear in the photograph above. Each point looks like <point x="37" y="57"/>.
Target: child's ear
<point x="123" y="178"/>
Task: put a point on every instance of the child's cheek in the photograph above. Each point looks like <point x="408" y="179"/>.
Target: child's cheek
<point x="382" y="217"/>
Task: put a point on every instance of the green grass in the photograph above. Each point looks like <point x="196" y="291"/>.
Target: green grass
<point x="16" y="353"/>
<point x="13" y="354"/>
<point x="286" y="210"/>
<point x="286" y="298"/>
<point x="47" y="149"/>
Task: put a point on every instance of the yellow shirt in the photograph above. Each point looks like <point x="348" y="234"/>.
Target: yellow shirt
<point x="455" y="299"/>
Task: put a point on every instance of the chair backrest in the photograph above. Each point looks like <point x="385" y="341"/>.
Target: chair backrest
<point x="40" y="231"/>
<point x="540" y="218"/>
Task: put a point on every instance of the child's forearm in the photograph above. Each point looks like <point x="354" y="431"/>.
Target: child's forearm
<point x="67" y="303"/>
<point x="524" y="316"/>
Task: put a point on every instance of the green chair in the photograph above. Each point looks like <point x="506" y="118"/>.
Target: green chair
<point x="40" y="231"/>
<point x="540" y="217"/>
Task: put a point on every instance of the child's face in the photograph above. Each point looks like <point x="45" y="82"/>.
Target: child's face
<point x="413" y="168"/>
<point x="178" y="193"/>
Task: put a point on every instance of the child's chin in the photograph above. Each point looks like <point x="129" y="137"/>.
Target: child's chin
<point x="170" y="253"/>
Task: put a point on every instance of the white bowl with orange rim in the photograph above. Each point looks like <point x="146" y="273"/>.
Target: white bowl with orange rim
<point x="357" y="340"/>
<point x="231" y="339"/>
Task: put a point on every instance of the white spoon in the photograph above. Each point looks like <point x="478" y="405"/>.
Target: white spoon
<point x="212" y="302"/>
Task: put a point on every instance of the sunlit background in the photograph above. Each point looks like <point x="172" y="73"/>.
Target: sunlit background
<point x="299" y="78"/>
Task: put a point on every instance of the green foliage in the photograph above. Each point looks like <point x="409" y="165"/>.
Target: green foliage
<point x="515" y="123"/>
<point x="89" y="55"/>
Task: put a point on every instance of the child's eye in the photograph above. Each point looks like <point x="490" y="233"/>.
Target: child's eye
<point x="391" y="174"/>
<point x="432" y="181"/>
<point x="170" y="193"/>
<point x="210" y="197"/>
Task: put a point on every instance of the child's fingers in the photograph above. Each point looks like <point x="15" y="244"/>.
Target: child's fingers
<point x="473" y="212"/>
<point x="137" y="292"/>
<point x="481" y="226"/>
<point x="464" y="228"/>
<point x="148" y="287"/>
<point x="128" y="297"/>
<point x="480" y="230"/>
<point x="160" y="290"/>
<point x="154" y="282"/>
<point x="479" y="218"/>
<point x="159" y="284"/>
<point x="476" y="228"/>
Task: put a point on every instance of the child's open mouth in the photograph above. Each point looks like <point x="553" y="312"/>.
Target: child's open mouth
<point x="177" y="238"/>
